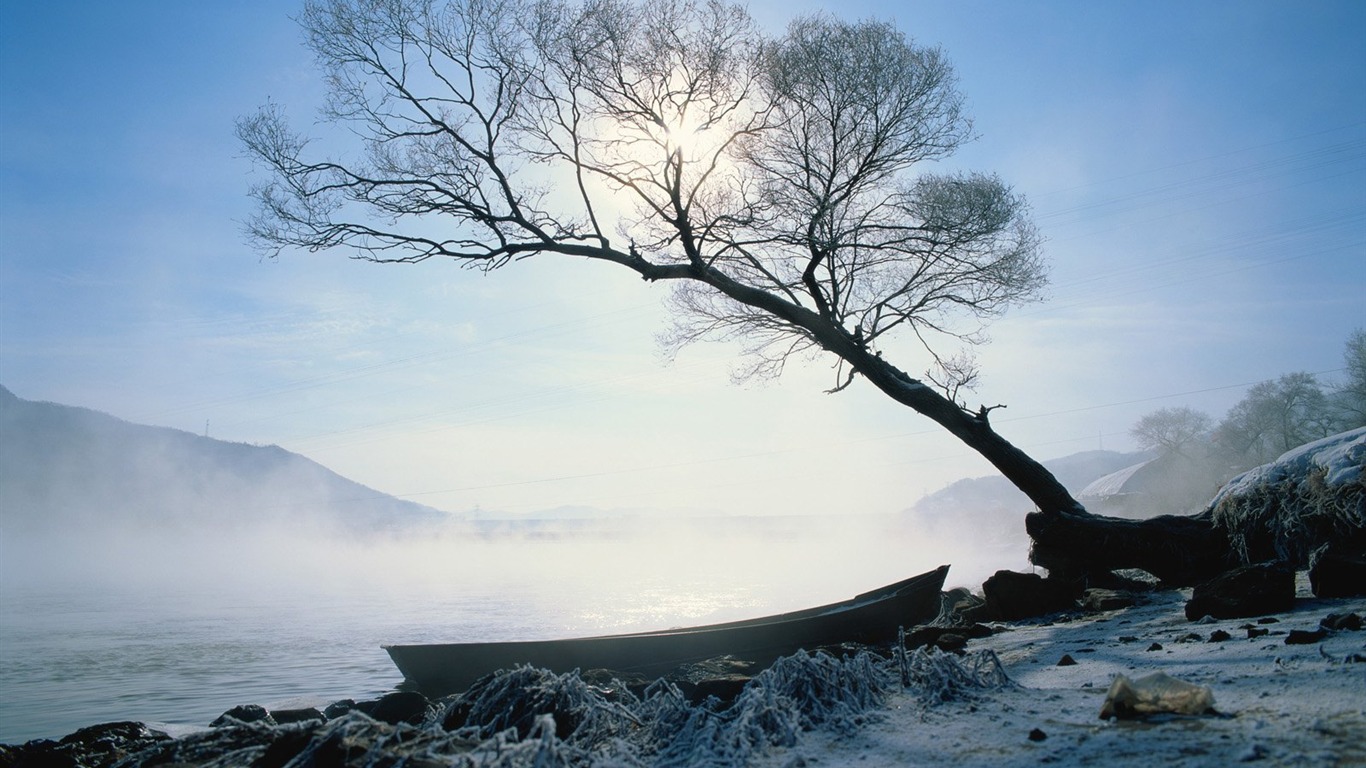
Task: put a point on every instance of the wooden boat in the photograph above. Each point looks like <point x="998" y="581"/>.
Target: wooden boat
<point x="872" y="617"/>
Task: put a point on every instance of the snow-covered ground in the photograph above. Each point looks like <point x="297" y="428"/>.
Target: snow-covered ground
<point x="1277" y="704"/>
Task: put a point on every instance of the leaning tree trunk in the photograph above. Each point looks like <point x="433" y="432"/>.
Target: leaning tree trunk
<point x="1179" y="550"/>
<point x="1073" y="544"/>
<point x="1070" y="542"/>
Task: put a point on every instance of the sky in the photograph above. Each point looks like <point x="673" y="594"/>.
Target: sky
<point x="1198" y="170"/>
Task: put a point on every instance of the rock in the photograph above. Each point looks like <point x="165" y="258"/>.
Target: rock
<point x="1219" y="636"/>
<point x="615" y="685"/>
<point x="959" y="606"/>
<point x="287" y="745"/>
<point x="1302" y="637"/>
<point x="951" y="642"/>
<point x="1337" y="622"/>
<point x="1067" y="660"/>
<point x="1155" y="694"/>
<point x="1037" y="735"/>
<point x="725" y="688"/>
<point x="1251" y="590"/>
<point x="408" y="707"/>
<point x="338" y="708"/>
<point x="1336" y="571"/>
<point x="1155" y="647"/>
<point x="96" y="745"/>
<point x="1107" y="599"/>
<point x="306" y="714"/>
<point x="1011" y="596"/>
<point x="1190" y="637"/>
<point x="244" y="713"/>
<point x="1254" y="632"/>
<point x="722" y="677"/>
<point x="946" y="638"/>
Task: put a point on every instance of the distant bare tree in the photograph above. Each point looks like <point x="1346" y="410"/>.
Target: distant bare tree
<point x="1350" y="397"/>
<point x="776" y="182"/>
<point x="1172" y="430"/>
<point x="1274" y="417"/>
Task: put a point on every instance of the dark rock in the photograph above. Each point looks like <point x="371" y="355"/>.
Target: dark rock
<point x="1337" y="622"/>
<point x="1219" y="636"/>
<point x="1337" y="571"/>
<point x="924" y="636"/>
<point x="957" y="637"/>
<point x="245" y="713"/>
<point x="285" y="748"/>
<point x="725" y="688"/>
<point x="1067" y="660"/>
<point x="1155" y="647"/>
<point x="1125" y="580"/>
<point x="1301" y="637"/>
<point x="408" y="707"/>
<point x="1128" y="639"/>
<point x="96" y="745"/>
<point x="961" y="607"/>
<point x="338" y="708"/>
<point x="722" y="677"/>
<point x="1011" y="596"/>
<point x="1251" y="590"/>
<point x="979" y="631"/>
<point x="1268" y="620"/>
<point x="1254" y="632"/>
<point x="951" y="642"/>
<point x="1107" y="599"/>
<point x="613" y="685"/>
<point x="285" y="716"/>
<point x="1037" y="735"/>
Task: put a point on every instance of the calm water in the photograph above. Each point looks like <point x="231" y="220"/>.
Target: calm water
<point x="193" y="637"/>
<point x="72" y="658"/>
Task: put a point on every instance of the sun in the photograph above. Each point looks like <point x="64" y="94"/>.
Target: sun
<point x="686" y="135"/>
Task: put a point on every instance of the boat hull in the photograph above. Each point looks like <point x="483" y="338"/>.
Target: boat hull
<point x="873" y="617"/>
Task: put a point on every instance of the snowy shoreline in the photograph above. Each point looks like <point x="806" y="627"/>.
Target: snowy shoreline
<point x="1276" y="703"/>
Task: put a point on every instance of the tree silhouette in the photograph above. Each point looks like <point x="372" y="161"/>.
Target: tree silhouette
<point x="776" y="182"/>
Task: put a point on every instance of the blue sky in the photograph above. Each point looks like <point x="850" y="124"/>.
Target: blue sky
<point x="1199" y="170"/>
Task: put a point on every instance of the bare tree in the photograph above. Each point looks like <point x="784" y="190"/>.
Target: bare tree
<point x="1350" y="396"/>
<point x="1274" y="417"/>
<point x="776" y="182"/>
<point x="1172" y="430"/>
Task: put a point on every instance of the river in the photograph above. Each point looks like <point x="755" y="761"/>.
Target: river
<point x="169" y="633"/>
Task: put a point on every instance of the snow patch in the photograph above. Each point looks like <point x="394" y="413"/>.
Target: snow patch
<point x="1111" y="484"/>
<point x="1302" y="500"/>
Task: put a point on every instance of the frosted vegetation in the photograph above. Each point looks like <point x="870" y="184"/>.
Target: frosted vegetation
<point x="1302" y="500"/>
<point x="532" y="717"/>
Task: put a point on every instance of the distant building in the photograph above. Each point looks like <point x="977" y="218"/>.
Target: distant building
<point x="1169" y="484"/>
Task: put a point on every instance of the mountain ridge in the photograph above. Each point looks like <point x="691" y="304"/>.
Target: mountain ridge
<point x="68" y="465"/>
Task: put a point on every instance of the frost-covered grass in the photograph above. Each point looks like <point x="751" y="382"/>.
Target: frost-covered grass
<point x="1297" y="503"/>
<point x="528" y="717"/>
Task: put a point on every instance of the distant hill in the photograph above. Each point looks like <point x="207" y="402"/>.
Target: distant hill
<point x="64" y="466"/>
<point x="994" y="508"/>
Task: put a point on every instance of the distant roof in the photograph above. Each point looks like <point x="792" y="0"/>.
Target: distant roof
<point x="1114" y="483"/>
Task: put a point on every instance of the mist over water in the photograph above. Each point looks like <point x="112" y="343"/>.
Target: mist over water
<point x="178" y="626"/>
